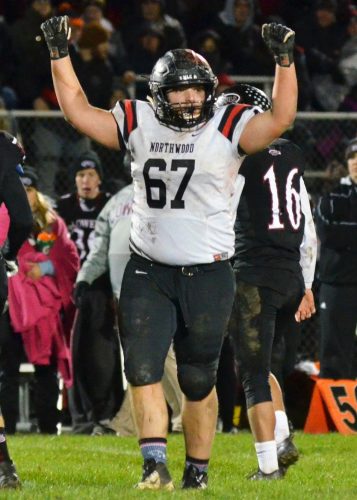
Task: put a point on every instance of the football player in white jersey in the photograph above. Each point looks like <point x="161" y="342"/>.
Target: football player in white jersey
<point x="178" y="282"/>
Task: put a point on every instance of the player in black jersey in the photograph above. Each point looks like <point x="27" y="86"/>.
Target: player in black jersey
<point x="95" y="395"/>
<point x="81" y="208"/>
<point x="274" y="275"/>
<point x="13" y="195"/>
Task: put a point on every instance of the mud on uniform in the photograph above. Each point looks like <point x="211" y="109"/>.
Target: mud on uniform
<point x="179" y="276"/>
<point x="273" y="217"/>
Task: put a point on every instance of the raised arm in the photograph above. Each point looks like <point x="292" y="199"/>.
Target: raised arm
<point x="98" y="124"/>
<point x="262" y="129"/>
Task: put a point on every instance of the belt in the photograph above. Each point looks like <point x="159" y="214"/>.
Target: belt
<point x="185" y="270"/>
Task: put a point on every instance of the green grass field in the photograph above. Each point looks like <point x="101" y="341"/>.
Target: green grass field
<point x="81" y="467"/>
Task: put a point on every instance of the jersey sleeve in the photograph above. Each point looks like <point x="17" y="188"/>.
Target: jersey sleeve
<point x="125" y="115"/>
<point x="233" y="121"/>
<point x="308" y="248"/>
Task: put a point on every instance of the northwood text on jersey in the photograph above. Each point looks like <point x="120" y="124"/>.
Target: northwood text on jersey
<point x="171" y="147"/>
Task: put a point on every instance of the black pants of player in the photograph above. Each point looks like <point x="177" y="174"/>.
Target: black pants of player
<point x="97" y="388"/>
<point x="338" y="319"/>
<point x="46" y="388"/>
<point x="190" y="305"/>
<point x="258" y="313"/>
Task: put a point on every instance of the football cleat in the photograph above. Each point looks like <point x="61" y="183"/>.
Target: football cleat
<point x="155" y="477"/>
<point x="8" y="476"/>
<point x="193" y="478"/>
<point x="288" y="454"/>
<point x="262" y="476"/>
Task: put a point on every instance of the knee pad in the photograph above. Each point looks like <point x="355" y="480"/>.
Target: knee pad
<point x="143" y="374"/>
<point x="196" y="382"/>
<point x="256" y="388"/>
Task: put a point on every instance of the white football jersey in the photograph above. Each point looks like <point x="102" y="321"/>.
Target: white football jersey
<point x="184" y="183"/>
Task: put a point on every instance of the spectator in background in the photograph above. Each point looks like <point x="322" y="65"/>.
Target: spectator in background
<point x="194" y="15"/>
<point x="148" y="47"/>
<point x="50" y="143"/>
<point x="80" y="208"/>
<point x="93" y="66"/>
<point x="7" y="65"/>
<point x="95" y="72"/>
<point x="96" y="394"/>
<point x="241" y="40"/>
<point x="32" y="73"/>
<point x="76" y="24"/>
<point x="40" y="313"/>
<point x="336" y="218"/>
<point x="322" y="37"/>
<point x="93" y="13"/>
<point x="348" y="54"/>
<point x="53" y="144"/>
<point x="152" y="13"/>
<point x="209" y="44"/>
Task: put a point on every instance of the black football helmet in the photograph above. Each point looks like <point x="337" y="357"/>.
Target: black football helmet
<point x="241" y="93"/>
<point x="176" y="69"/>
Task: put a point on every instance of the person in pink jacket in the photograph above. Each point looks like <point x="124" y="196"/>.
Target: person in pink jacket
<point x="40" y="314"/>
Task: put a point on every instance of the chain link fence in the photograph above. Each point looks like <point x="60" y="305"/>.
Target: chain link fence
<point x="52" y="147"/>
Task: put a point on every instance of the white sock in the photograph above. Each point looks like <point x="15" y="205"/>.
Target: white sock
<point x="267" y="456"/>
<point x="281" y="430"/>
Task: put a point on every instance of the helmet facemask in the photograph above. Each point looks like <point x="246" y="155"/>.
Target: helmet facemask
<point x="184" y="115"/>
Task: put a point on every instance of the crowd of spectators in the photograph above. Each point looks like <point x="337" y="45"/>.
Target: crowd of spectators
<point x="114" y="45"/>
<point x="114" y="42"/>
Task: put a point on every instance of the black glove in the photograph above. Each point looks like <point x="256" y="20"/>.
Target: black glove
<point x="79" y="291"/>
<point x="57" y="32"/>
<point x="280" y="41"/>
